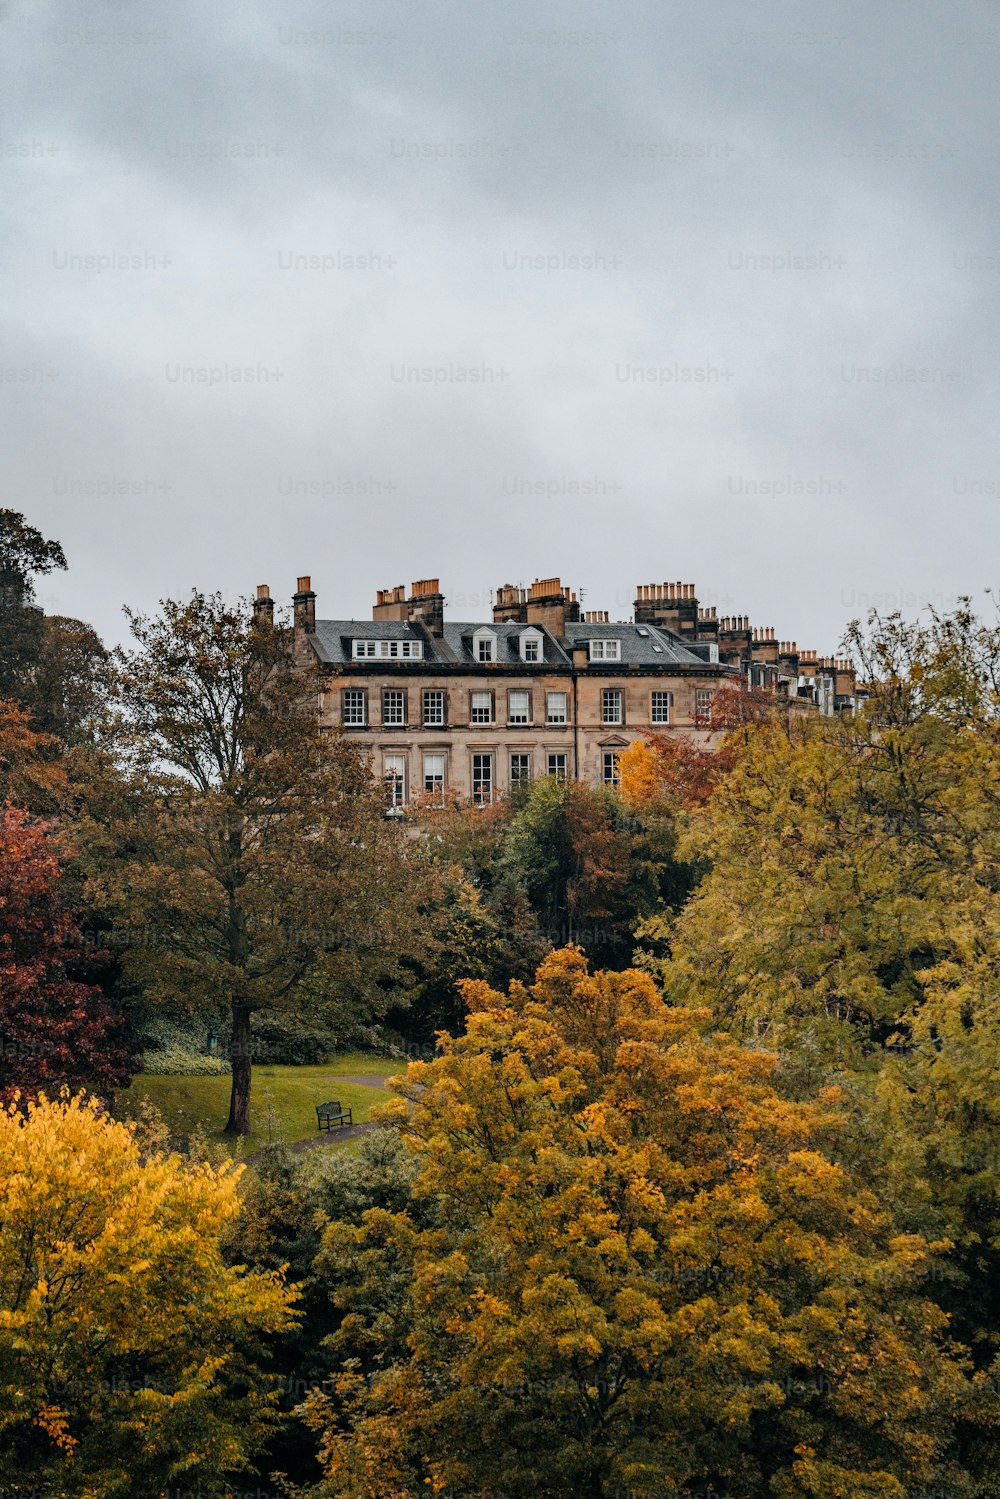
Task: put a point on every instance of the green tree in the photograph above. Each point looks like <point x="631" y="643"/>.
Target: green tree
<point x="54" y="666"/>
<point x="588" y="863"/>
<point x="250" y="866"/>
<point x="851" y="919"/>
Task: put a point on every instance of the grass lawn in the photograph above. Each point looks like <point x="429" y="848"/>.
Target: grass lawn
<point x="282" y="1101"/>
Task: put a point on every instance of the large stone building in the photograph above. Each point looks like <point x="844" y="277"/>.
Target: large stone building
<point x="472" y="709"/>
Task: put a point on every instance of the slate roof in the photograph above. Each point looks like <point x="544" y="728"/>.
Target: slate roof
<point x="636" y="647"/>
<point x="332" y="641"/>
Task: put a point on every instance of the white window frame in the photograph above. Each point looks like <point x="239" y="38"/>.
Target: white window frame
<point x="394" y="777"/>
<point x="361" y="705"/>
<point x="481" y="707"/>
<point x="703" y="699"/>
<point x="399" y="704"/>
<point x="561" y="772"/>
<point x="388" y="650"/>
<point x="426" y="720"/>
<point x="523" y="717"/>
<point x="534" y="640"/>
<point x="520" y="779"/>
<point x="614" y="758"/>
<point x="549" y="718"/>
<point x="605" y="650"/>
<point x="484" y="647"/>
<point x="435" y="791"/>
<point x="485" y="758"/>
<point x="609" y="697"/>
<point x="663" y="709"/>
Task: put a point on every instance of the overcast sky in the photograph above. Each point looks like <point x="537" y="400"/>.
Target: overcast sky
<point x="375" y="292"/>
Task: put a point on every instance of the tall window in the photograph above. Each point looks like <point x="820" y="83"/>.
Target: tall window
<point x="482" y="707"/>
<point x="555" y="707"/>
<point x="703" y="705"/>
<point x="557" y="766"/>
<point x="520" y="769"/>
<point x="353" y="706"/>
<point x="605" y="650"/>
<point x="433" y="706"/>
<point x="434" y="778"/>
<point x="611" y="776"/>
<point x="393" y="706"/>
<point x="660" y="711"/>
<point x="518" y="707"/>
<point x="482" y="779"/>
<point x="611" y="705"/>
<point x="394" y="771"/>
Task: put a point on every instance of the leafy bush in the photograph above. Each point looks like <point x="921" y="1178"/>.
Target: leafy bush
<point x="179" y="1061"/>
<point x="173" y="1049"/>
<point x="289" y="1041"/>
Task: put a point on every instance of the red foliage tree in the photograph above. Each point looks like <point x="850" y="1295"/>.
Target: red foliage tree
<point x="54" y="1030"/>
<point x="683" y="771"/>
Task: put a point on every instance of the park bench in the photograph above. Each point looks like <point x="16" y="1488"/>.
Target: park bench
<point x="329" y="1114"/>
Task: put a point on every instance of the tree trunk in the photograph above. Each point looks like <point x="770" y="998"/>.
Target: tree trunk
<point x="239" y="1102"/>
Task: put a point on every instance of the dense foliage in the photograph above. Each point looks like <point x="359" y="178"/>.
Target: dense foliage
<point x="696" y="1186"/>
<point x="129" y="1350"/>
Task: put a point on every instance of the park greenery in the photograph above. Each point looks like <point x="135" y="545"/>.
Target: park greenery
<point x="686" y="1174"/>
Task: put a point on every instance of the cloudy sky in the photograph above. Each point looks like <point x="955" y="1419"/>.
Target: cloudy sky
<point x="701" y="291"/>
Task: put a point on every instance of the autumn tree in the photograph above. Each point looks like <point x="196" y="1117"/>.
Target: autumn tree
<point x="71" y="680"/>
<point x="54" y="666"/>
<point x="631" y="1265"/>
<point x="54" y="1029"/>
<point x="129" y="1351"/>
<point x="844" y="853"/>
<point x="492" y="935"/>
<point x="587" y="864"/>
<point x="32" y="772"/>
<point x="851" y="919"/>
<point x="680" y="771"/>
<point x="249" y="867"/>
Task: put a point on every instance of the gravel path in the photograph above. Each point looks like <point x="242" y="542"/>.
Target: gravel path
<point x="330" y="1137"/>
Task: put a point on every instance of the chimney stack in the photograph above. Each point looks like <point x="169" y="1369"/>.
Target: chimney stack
<point x="304" y="606"/>
<point x="510" y="605"/>
<point x="263" y="606"/>
<point x="426" y="605"/>
<point x="550" y="604"/>
<point x="390" y="603"/>
<point x="671" y="606"/>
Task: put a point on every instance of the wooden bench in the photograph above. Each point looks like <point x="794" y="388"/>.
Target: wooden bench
<point x="329" y="1114"/>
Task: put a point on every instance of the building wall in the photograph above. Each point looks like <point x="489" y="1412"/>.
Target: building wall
<point x="583" y="739"/>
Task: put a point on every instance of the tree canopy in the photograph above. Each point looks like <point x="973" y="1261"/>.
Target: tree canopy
<point x="645" y="1270"/>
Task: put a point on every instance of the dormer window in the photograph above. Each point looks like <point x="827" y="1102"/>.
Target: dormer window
<point x="531" y="645"/>
<point x="484" y="645"/>
<point x="605" y="650"/>
<point x="388" y="650"/>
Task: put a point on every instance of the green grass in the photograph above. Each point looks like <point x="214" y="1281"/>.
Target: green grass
<point x="282" y="1101"/>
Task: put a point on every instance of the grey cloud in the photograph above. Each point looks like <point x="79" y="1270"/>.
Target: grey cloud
<point x="703" y="293"/>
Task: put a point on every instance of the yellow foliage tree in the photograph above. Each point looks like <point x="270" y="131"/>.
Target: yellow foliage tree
<point x="629" y="1265"/>
<point x="127" y="1346"/>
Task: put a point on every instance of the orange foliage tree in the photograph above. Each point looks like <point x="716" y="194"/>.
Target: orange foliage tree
<point x="629" y="1265"/>
<point x="683" y="771"/>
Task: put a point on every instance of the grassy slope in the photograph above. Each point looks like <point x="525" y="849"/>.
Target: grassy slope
<point x="282" y="1102"/>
